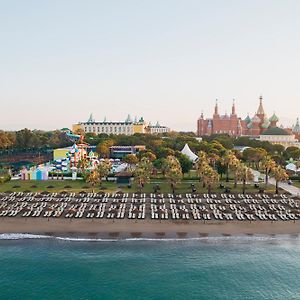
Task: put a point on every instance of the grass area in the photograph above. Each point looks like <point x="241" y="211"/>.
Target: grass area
<point x="77" y="186"/>
<point x="296" y="183"/>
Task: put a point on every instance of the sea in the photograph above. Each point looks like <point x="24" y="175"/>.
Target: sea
<point x="245" y="267"/>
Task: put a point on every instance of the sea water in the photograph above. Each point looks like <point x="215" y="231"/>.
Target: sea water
<point x="38" y="267"/>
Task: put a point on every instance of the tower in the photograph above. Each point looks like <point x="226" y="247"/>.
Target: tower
<point x="261" y="112"/>
<point x="233" y="111"/>
<point x="216" y="114"/>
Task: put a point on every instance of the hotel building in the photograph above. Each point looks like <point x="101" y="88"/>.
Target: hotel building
<point x="127" y="127"/>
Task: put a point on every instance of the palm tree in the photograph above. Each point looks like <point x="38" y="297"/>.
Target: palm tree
<point x="244" y="174"/>
<point x="93" y="178"/>
<point x="237" y="168"/>
<point x="173" y="171"/>
<point x="201" y="165"/>
<point x="103" y="169"/>
<point x="210" y="177"/>
<point x="83" y="165"/>
<point x="269" y="165"/>
<point x="279" y="175"/>
<point x="229" y="160"/>
<point x="143" y="172"/>
<point x="212" y="158"/>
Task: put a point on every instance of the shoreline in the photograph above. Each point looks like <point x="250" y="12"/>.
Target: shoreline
<point x="124" y="229"/>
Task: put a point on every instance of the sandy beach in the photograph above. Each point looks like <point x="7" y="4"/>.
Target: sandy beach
<point x="141" y="228"/>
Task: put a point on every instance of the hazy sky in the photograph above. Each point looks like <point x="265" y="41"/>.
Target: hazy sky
<point x="165" y="60"/>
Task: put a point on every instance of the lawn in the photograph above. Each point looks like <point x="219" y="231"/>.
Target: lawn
<point x="296" y="183"/>
<point x="77" y="186"/>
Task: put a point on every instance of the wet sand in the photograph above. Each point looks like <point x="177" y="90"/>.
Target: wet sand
<point x="144" y="228"/>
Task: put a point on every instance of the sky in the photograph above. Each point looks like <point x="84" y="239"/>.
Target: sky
<point x="165" y="60"/>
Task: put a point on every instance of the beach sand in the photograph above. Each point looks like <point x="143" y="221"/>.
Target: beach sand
<point x="147" y="229"/>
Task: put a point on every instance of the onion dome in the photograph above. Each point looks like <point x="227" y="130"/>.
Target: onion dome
<point x="250" y="125"/>
<point x="255" y="119"/>
<point x="266" y="123"/>
<point x="274" y="118"/>
<point x="248" y="119"/>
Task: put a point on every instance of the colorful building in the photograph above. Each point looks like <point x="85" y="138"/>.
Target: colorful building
<point x="233" y="125"/>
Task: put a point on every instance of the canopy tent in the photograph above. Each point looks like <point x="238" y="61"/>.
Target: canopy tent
<point x="189" y="153"/>
<point x="291" y="167"/>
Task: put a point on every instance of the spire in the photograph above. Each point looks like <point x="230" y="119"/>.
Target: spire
<point x="104" y="119"/>
<point x="216" y="108"/>
<point x="91" y="120"/>
<point x="296" y="128"/>
<point x="128" y="119"/>
<point x="233" y="108"/>
<point x="260" y="110"/>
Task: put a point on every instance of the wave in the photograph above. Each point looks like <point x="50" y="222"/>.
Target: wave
<point x="21" y="236"/>
<point x="212" y="239"/>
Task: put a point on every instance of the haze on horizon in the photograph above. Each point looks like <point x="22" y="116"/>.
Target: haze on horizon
<point x="165" y="60"/>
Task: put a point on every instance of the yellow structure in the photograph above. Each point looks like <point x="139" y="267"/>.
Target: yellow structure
<point x="60" y="153"/>
<point x="139" y="128"/>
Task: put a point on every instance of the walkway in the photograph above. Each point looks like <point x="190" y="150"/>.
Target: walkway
<point x="283" y="185"/>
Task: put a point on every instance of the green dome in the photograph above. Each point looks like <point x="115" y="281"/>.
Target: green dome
<point x="275" y="131"/>
<point x="265" y="124"/>
<point x="256" y="119"/>
<point x="274" y="118"/>
<point x="247" y="119"/>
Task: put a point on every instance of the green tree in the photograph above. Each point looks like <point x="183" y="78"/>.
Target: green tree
<point x="143" y="172"/>
<point x="229" y="160"/>
<point x="103" y="169"/>
<point x="173" y="171"/>
<point x="210" y="177"/>
<point x="244" y="174"/>
<point x="279" y="175"/>
<point x="254" y="155"/>
<point x="268" y="164"/>
<point x="103" y="148"/>
<point x="185" y="163"/>
<point x="131" y="159"/>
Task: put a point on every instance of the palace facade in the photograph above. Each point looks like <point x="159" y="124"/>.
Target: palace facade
<point x="127" y="127"/>
<point x="233" y="125"/>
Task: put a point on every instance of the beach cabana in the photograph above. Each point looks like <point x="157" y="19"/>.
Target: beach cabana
<point x="123" y="177"/>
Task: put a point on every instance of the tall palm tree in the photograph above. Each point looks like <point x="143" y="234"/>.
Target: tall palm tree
<point x="244" y="174"/>
<point x="93" y="178"/>
<point x="210" y="177"/>
<point x="103" y="169"/>
<point x="173" y="171"/>
<point x="212" y="158"/>
<point x="229" y="160"/>
<point x="269" y="165"/>
<point x="82" y="165"/>
<point x="201" y="165"/>
<point x="279" y="175"/>
<point x="237" y="169"/>
<point x="143" y="172"/>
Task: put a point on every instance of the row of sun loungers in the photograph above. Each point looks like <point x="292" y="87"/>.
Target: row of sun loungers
<point x="155" y="206"/>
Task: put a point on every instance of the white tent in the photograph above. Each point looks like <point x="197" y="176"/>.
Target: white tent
<point x="189" y="153"/>
<point x="291" y="167"/>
